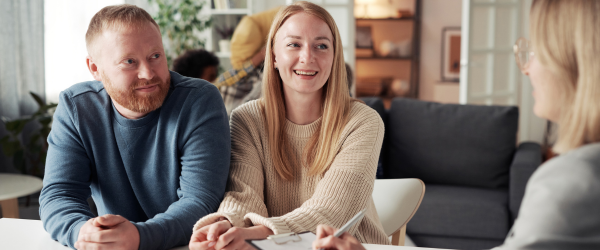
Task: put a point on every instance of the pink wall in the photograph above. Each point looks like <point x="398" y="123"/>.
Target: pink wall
<point x="436" y="14"/>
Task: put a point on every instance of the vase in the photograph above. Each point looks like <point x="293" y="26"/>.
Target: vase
<point x="224" y="46"/>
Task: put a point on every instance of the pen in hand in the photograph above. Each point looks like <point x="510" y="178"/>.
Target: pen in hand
<point x="349" y="224"/>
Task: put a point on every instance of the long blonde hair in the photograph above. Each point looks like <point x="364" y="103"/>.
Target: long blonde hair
<point x="566" y="39"/>
<point x="320" y="151"/>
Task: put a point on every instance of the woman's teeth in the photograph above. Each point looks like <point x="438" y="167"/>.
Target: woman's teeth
<point x="306" y="73"/>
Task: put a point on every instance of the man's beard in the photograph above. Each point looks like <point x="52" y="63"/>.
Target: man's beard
<point x="138" y="102"/>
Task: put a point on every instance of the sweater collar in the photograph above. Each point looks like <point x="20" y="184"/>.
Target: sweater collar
<point x="304" y="131"/>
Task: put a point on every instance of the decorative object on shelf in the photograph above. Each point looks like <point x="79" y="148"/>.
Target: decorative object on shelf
<point x="379" y="9"/>
<point x="451" y="54"/>
<point x="30" y="155"/>
<point x="395" y="49"/>
<point x="363" y="37"/>
<point x="180" y="23"/>
<point x="399" y="87"/>
<point x="225" y="42"/>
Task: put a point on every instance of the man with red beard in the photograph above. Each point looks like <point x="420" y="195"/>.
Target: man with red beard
<point x="150" y="146"/>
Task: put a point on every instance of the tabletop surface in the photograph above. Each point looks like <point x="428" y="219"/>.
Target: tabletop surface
<point x="17" y="185"/>
<point x="30" y="235"/>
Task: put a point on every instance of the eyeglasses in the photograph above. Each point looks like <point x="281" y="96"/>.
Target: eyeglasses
<point x="523" y="53"/>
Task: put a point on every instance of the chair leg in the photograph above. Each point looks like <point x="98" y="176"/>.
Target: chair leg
<point x="399" y="237"/>
<point x="10" y="208"/>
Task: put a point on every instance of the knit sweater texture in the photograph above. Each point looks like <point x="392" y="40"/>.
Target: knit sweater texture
<point x="257" y="195"/>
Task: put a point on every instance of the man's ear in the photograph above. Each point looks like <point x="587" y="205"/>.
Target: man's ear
<point x="93" y="68"/>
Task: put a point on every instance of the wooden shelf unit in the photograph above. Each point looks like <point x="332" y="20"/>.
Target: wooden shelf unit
<point x="395" y="65"/>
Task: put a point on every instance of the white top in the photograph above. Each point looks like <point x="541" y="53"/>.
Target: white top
<point x="17" y="185"/>
<point x="30" y="235"/>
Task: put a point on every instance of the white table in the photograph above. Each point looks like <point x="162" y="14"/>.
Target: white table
<point x="30" y="235"/>
<point x="13" y="186"/>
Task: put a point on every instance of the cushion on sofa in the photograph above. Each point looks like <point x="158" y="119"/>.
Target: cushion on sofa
<point x="452" y="211"/>
<point x="377" y="104"/>
<point x="465" y="145"/>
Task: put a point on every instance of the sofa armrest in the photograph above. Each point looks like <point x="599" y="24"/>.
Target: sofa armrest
<point x="526" y="160"/>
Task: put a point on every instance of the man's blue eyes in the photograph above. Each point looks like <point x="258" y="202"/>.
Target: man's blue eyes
<point x="131" y="61"/>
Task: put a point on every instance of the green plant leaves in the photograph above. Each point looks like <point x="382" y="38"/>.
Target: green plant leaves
<point x="32" y="153"/>
<point x="180" y="23"/>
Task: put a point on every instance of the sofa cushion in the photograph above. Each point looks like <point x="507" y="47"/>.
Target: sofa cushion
<point x="450" y="143"/>
<point x="377" y="104"/>
<point x="452" y="211"/>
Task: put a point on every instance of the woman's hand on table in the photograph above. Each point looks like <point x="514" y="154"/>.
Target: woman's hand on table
<point x="221" y="235"/>
<point x="326" y="240"/>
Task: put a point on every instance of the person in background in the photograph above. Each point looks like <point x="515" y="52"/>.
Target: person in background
<point x="349" y="78"/>
<point x="150" y="146"/>
<point x="197" y="64"/>
<point x="306" y="152"/>
<point x="243" y="82"/>
<point x="562" y="197"/>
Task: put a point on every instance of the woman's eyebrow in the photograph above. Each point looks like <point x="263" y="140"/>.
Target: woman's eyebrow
<point x="317" y="38"/>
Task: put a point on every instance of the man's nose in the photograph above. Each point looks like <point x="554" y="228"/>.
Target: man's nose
<point x="145" y="71"/>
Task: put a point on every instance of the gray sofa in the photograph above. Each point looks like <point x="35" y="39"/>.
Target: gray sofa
<point x="467" y="155"/>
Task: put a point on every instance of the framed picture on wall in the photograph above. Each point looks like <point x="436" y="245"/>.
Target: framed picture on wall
<point x="363" y="37"/>
<point x="451" y="54"/>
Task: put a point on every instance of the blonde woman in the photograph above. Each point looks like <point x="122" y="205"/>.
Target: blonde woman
<point x="306" y="153"/>
<point x="561" y="207"/>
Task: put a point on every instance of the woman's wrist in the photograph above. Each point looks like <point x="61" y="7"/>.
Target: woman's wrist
<point x="263" y="231"/>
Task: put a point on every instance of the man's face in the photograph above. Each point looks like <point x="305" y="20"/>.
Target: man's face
<point x="132" y="65"/>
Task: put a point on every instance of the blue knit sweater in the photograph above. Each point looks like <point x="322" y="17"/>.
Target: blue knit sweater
<point x="162" y="172"/>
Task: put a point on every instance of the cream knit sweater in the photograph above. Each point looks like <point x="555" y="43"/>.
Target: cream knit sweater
<point x="256" y="195"/>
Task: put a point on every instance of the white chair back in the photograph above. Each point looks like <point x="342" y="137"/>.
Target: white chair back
<point x="396" y="201"/>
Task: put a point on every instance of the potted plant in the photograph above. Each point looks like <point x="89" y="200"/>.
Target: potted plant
<point x="180" y="24"/>
<point x="225" y="33"/>
<point x="28" y="156"/>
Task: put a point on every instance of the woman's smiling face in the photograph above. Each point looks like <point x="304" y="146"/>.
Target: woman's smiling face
<point x="303" y="51"/>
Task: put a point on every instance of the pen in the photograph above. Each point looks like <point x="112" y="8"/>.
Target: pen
<point x="349" y="224"/>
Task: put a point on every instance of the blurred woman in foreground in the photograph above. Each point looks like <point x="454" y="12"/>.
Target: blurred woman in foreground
<point x="561" y="207"/>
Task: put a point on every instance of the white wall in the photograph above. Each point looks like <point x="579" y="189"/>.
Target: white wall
<point x="65" y="25"/>
<point x="436" y="14"/>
